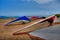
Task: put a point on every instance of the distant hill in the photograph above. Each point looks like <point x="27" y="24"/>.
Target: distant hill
<point x="58" y="15"/>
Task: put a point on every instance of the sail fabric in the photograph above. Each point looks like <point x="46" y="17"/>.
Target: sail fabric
<point x="18" y="19"/>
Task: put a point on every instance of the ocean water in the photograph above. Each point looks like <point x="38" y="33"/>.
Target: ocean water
<point x="50" y="33"/>
<point x="5" y="17"/>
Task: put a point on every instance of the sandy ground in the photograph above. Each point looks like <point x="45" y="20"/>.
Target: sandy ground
<point x="19" y="37"/>
<point x="6" y="31"/>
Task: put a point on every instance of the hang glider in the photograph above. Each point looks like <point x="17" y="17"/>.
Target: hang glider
<point x="24" y="18"/>
<point x="35" y="25"/>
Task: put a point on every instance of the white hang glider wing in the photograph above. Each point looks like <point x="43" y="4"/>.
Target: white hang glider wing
<point x="35" y="25"/>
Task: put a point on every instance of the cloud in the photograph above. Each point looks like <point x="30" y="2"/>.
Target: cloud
<point x="43" y="1"/>
<point x="39" y="1"/>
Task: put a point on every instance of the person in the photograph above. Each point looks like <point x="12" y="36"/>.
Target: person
<point x="51" y="20"/>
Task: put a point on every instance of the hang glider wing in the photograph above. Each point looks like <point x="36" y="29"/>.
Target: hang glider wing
<point x="22" y="18"/>
<point x="35" y="25"/>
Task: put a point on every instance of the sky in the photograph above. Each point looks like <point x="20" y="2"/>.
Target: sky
<point x="29" y="7"/>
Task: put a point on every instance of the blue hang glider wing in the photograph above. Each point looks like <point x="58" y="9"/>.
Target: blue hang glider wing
<point x="22" y="18"/>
